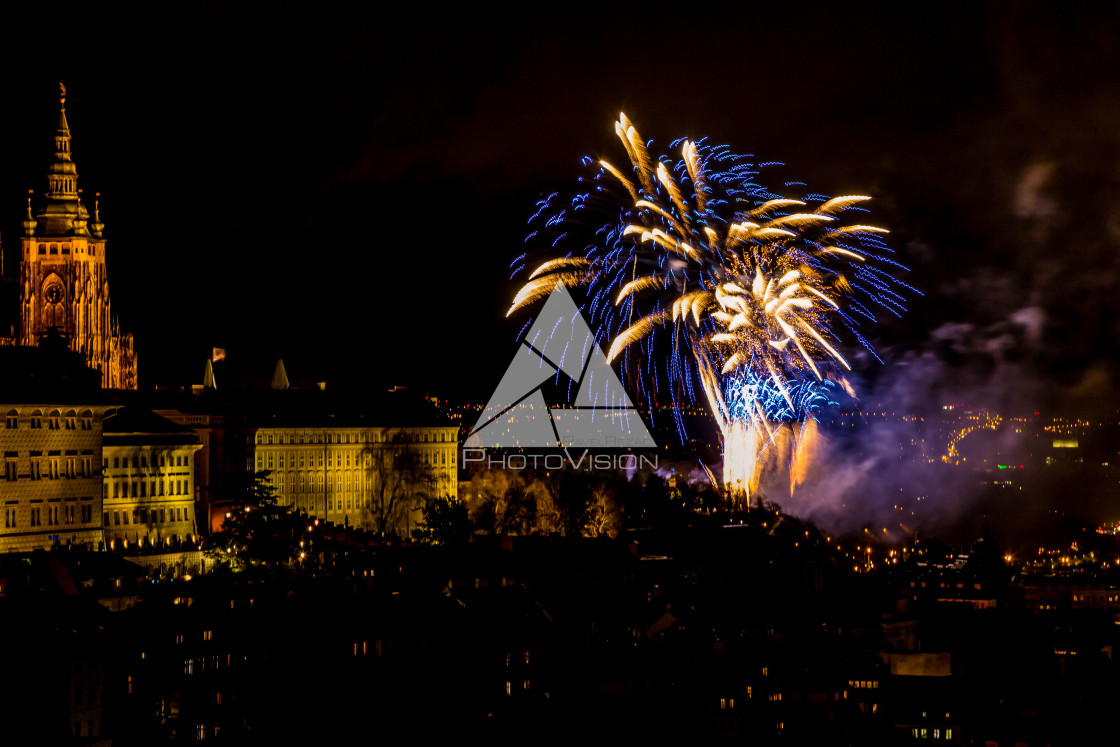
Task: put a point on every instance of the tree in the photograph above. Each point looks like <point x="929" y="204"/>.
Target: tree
<point x="548" y="513"/>
<point x="400" y="481"/>
<point x="603" y="518"/>
<point x="483" y="491"/>
<point x="444" y="521"/>
<point x="256" y="529"/>
<point x="514" y="511"/>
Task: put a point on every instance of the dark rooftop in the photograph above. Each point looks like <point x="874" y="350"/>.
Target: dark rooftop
<point x="48" y="372"/>
<point x="133" y="424"/>
<point x="308" y="407"/>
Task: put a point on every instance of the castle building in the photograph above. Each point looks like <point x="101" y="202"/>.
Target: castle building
<point x="148" y="489"/>
<point x="373" y="477"/>
<point x="226" y="448"/>
<point x="51" y="444"/>
<point x="63" y="280"/>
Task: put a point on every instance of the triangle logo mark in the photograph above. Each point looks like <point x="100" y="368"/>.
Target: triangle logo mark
<point x="526" y="372"/>
<point x="600" y="386"/>
<point x="560" y="333"/>
<point x="602" y="413"/>
<point x="526" y="424"/>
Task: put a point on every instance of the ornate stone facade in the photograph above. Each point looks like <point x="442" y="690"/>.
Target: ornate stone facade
<point x="63" y="281"/>
<point x="148" y="493"/>
<point x="51" y="489"/>
<point x="360" y="476"/>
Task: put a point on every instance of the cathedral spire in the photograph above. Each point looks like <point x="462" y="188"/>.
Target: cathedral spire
<point x="29" y="222"/>
<point x="208" y="381"/>
<point x="96" y="226"/>
<point x="280" y="376"/>
<point x="62" y="176"/>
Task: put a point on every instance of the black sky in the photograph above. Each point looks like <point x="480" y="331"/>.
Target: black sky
<point x="344" y="186"/>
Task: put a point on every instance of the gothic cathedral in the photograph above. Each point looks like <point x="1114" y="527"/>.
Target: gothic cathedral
<point x="63" y="283"/>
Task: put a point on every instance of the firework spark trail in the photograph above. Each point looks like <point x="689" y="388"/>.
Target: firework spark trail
<point x="759" y="290"/>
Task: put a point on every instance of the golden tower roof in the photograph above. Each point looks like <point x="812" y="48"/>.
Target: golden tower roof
<point x="63" y="214"/>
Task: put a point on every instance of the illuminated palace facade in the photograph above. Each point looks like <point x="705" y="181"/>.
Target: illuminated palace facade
<point x="148" y="487"/>
<point x="347" y="475"/>
<point x="63" y="281"/>
<point x="51" y="489"/>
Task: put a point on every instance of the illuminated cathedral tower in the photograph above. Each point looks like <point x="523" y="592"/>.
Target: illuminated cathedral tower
<point x="63" y="283"/>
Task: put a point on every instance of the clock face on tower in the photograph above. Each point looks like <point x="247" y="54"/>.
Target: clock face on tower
<point x="54" y="294"/>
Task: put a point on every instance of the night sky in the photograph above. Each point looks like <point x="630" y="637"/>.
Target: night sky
<point x="345" y="187"/>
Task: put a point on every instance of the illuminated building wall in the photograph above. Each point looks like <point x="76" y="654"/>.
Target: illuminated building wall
<point x="148" y="488"/>
<point x="63" y="281"/>
<point x="337" y="473"/>
<point x="227" y="447"/>
<point x="51" y="492"/>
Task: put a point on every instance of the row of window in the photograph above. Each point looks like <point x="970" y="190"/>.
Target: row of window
<point x="301" y="461"/>
<point x="363" y="648"/>
<point x="276" y="461"/>
<point x="55" y="419"/>
<point x="347" y="438"/>
<point x="69" y="513"/>
<point x="946" y="734"/>
<point x="141" y="461"/>
<point x="73" y="468"/>
<point x="343" y="483"/>
<point x="311" y="503"/>
<point x="142" y="515"/>
<point x="59" y="184"/>
<point x="54" y="249"/>
<point x="525" y="685"/>
<point x="199" y="665"/>
<point x="142" y="489"/>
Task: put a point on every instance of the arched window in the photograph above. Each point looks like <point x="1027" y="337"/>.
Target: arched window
<point x="11" y="420"/>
